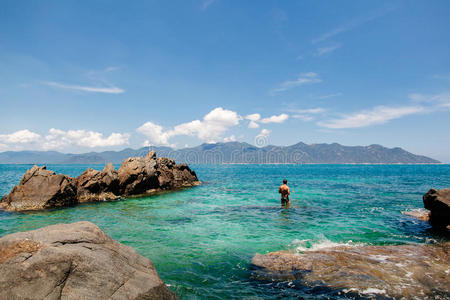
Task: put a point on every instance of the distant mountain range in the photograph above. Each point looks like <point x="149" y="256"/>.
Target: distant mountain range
<point x="232" y="152"/>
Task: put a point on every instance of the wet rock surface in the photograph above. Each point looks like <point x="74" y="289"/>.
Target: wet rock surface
<point x="41" y="188"/>
<point x="75" y="261"/>
<point x="409" y="271"/>
<point x="438" y="202"/>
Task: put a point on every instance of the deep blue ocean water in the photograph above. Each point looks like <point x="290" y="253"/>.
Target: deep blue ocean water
<point x="202" y="239"/>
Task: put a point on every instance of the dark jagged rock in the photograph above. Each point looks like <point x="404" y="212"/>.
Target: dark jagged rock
<point x="438" y="202"/>
<point x="41" y="188"/>
<point x="399" y="272"/>
<point x="98" y="186"/>
<point x="75" y="261"/>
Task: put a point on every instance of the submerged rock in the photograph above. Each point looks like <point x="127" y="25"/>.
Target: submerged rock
<point x="75" y="261"/>
<point x="438" y="202"/>
<point x="410" y="271"/>
<point x="41" y="188"/>
<point x="421" y="214"/>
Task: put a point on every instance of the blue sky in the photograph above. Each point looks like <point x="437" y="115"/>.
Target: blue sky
<point x="79" y="76"/>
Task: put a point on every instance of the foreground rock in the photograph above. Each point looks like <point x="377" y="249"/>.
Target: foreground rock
<point x="421" y="214"/>
<point x="75" y="261"/>
<point x="41" y="188"/>
<point x="410" y="271"/>
<point x="438" y="202"/>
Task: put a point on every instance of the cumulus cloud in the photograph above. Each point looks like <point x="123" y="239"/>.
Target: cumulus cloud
<point x="230" y="138"/>
<point x="93" y="89"/>
<point x="254" y="118"/>
<point x="377" y="115"/>
<point x="303" y="79"/>
<point x="155" y="134"/>
<point x="57" y="139"/>
<point x="20" y="137"/>
<point x="210" y="129"/>
<point x="275" y="119"/>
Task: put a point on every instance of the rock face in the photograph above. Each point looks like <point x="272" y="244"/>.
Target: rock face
<point x="438" y="202"/>
<point x="41" y="188"/>
<point x="75" y="261"/>
<point x="409" y="271"/>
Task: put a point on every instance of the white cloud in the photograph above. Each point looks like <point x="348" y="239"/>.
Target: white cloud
<point x="304" y="78"/>
<point x="307" y="114"/>
<point x="275" y="119"/>
<point x="265" y="132"/>
<point x="326" y="50"/>
<point x="107" y="90"/>
<point x="231" y="138"/>
<point x="254" y="118"/>
<point x="438" y="100"/>
<point x="378" y="115"/>
<point x="353" y="23"/>
<point x="57" y="139"/>
<point x="330" y="96"/>
<point x="20" y="137"/>
<point x="155" y="134"/>
<point x="210" y="129"/>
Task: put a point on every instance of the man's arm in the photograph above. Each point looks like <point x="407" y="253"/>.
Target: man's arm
<point x="288" y="191"/>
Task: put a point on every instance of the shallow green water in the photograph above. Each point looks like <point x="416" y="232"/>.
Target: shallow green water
<point x="202" y="239"/>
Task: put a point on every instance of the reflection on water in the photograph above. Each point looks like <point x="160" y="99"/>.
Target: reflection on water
<point x="201" y="240"/>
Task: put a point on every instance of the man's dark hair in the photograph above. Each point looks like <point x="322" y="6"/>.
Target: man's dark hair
<point x="284" y="181"/>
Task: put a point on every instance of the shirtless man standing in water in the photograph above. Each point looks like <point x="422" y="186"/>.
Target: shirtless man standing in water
<point x="284" y="191"/>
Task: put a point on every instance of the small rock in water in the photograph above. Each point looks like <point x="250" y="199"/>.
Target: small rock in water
<point x="421" y="214"/>
<point x="410" y="271"/>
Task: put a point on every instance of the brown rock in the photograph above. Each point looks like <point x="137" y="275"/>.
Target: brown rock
<point x="98" y="186"/>
<point x="41" y="188"/>
<point x="400" y="272"/>
<point x="438" y="202"/>
<point x="75" y="261"/>
<point x="137" y="175"/>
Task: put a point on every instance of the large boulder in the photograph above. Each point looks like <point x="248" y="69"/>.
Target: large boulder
<point x="41" y="188"/>
<point x="75" y="261"/>
<point x="438" y="202"/>
<point x="137" y="175"/>
<point x="93" y="185"/>
<point x="399" y="272"/>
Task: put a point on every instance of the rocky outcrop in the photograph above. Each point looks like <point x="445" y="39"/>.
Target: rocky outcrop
<point x="93" y="185"/>
<point x="400" y="272"/>
<point x="438" y="202"/>
<point x="41" y="188"/>
<point x="75" y="261"/>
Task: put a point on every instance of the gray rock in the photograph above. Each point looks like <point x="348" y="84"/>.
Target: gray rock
<point x="41" y="188"/>
<point x="75" y="261"/>
<point x="438" y="202"/>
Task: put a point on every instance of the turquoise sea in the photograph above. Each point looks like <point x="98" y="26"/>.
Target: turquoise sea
<point x="202" y="239"/>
